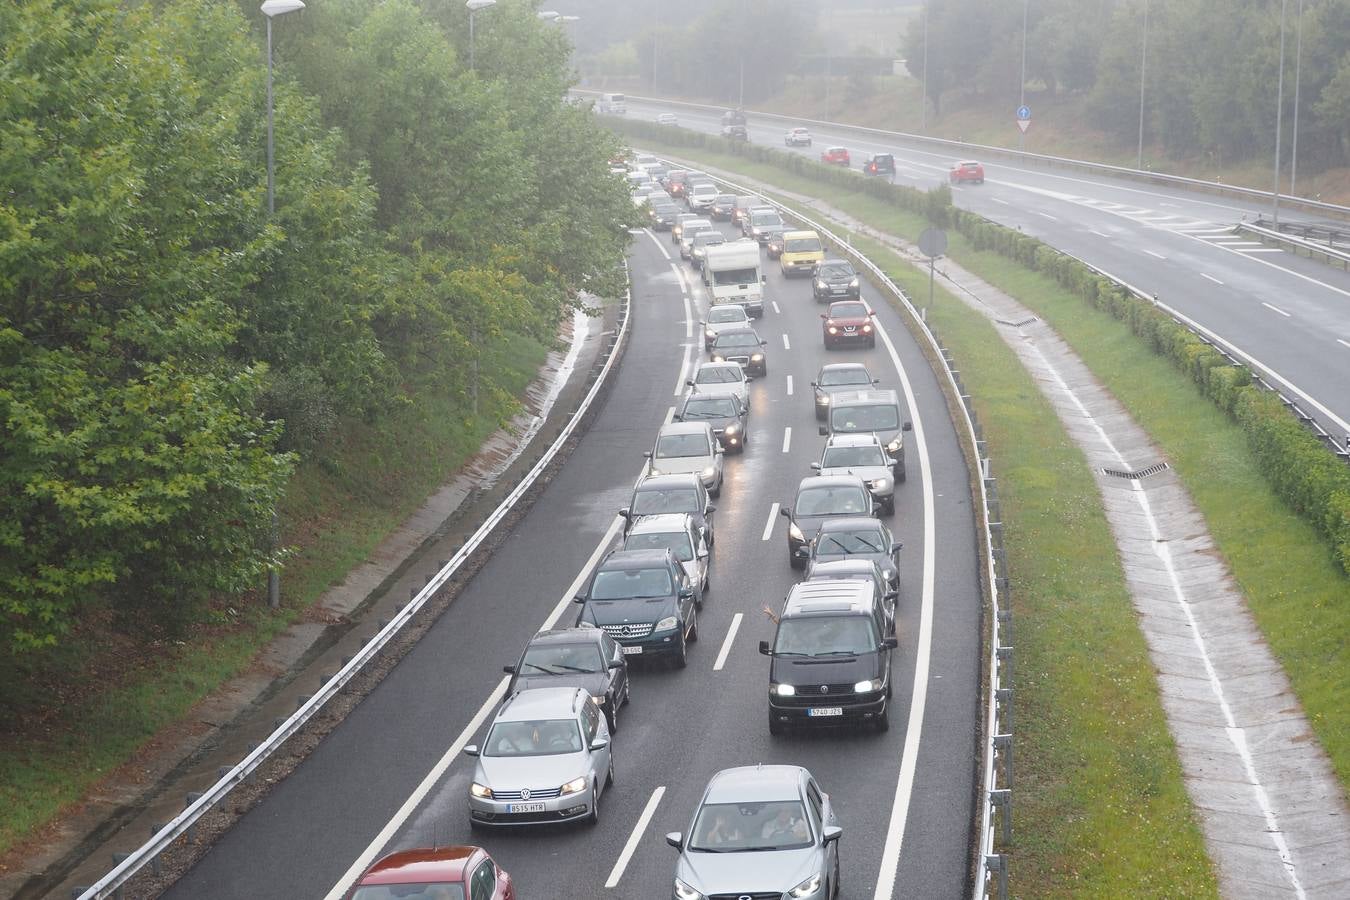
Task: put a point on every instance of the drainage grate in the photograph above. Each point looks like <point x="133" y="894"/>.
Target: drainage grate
<point x="1135" y="476"/>
<point x="1016" y="324"/>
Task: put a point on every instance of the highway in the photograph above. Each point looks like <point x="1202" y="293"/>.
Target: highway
<point x="391" y="775"/>
<point x="1288" y="314"/>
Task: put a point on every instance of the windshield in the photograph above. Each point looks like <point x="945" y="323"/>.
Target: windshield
<point x="726" y="199"/>
<point x="623" y="584"/>
<point x="735" y="276"/>
<point x="851" y="375"/>
<point x="543" y="737"/>
<point x="719" y="375"/>
<point x="843" y="457"/>
<point x="737" y="339"/>
<point x="802" y="245"/>
<point x="848" y="311"/>
<point x="832" y="500"/>
<point x="675" y="541"/>
<point x="710" y="408"/>
<point x="561" y="659"/>
<point x="836" y="271"/>
<point x="693" y="228"/>
<point x="747" y="827"/>
<point x="679" y="445"/>
<point x="765" y="219"/>
<point x="866" y="540"/>
<point x="879" y="417"/>
<point x="678" y="500"/>
<point x="723" y="314"/>
<point x="826" y="636"/>
<point x="423" y="891"/>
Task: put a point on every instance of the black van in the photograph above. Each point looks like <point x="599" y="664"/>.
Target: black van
<point x="879" y="164"/>
<point x="830" y="659"/>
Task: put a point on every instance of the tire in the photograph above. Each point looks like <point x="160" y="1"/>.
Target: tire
<point x="888" y="506"/>
<point x="693" y="629"/>
<point x="775" y="727"/>
<point x="682" y="660"/>
<point x="834" y="882"/>
<point x="593" y="819"/>
<point x="795" y="562"/>
<point x="900" y="476"/>
<point x="882" y="723"/>
<point x="612" y="715"/>
<point x="609" y="775"/>
<point x="715" y="491"/>
<point x="764" y="372"/>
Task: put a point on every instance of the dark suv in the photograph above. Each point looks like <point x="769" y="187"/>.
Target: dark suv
<point x="830" y="657"/>
<point x="835" y="279"/>
<point x="574" y="657"/>
<point x="644" y="601"/>
<point x="880" y="164"/>
<point x="819" y="498"/>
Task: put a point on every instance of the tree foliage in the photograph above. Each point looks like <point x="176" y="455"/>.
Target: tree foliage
<point x="166" y="347"/>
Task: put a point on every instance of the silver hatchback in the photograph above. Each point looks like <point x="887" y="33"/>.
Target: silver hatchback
<point x="759" y="831"/>
<point x="545" y="759"/>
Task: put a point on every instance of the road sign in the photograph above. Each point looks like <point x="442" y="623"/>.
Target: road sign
<point x="1024" y="113"/>
<point x="1024" y="124"/>
<point x="932" y="242"/>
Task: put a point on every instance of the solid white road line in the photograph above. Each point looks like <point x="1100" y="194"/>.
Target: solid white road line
<point x="657" y="241"/>
<point x="629" y="848"/>
<point x="438" y="771"/>
<point x="904" y="787"/>
<point x="786" y="345"/>
<point x="1155" y="255"/>
<point x="670" y="414"/>
<point x="679" y="273"/>
<point x="684" y="372"/>
<point x="1343" y="343"/>
<point x="1275" y="308"/>
<point x="1210" y="277"/>
<point x="774" y="304"/>
<point x="789" y="385"/>
<point x="768" y="526"/>
<point x="726" y="644"/>
<point x="1262" y="250"/>
<point x="787" y="438"/>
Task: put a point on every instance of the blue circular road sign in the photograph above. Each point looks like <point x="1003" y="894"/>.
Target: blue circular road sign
<point x="1024" y="112"/>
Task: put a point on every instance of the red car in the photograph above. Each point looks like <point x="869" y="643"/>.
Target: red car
<point x="837" y="156"/>
<point x="445" y="873"/>
<point x="968" y="170"/>
<point x="848" y="322"/>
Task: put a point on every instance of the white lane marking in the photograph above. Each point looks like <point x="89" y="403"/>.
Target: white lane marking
<point x="657" y="241"/>
<point x="414" y="800"/>
<point x="684" y="372"/>
<point x="786" y="345"/>
<point x="670" y="414"/>
<point x="1004" y="202"/>
<point x="1262" y="250"/>
<point x="688" y="316"/>
<point x="726" y="644"/>
<point x="1275" y="308"/>
<point x="1048" y="216"/>
<point x="629" y="848"/>
<point x="787" y="438"/>
<point x="768" y="526"/>
<point x="789" y="385"/>
<point x="679" y="273"/>
<point x="774" y="304"/>
<point x="1155" y="255"/>
<point x="904" y="788"/>
<point x="1343" y="343"/>
<point x="1100" y="233"/>
<point x="1210" y="277"/>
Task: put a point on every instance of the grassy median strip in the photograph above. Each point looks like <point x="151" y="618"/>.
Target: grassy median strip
<point x="339" y="509"/>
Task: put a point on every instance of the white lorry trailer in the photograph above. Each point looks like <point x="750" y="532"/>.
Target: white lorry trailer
<point x="731" y="273"/>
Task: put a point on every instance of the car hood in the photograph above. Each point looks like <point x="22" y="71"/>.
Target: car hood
<point x="511" y="773"/>
<point x="866" y="473"/>
<point x="732" y="873"/>
<point x="831" y="670"/>
<point x="681" y="465"/>
<point x="595" y="683"/>
<point x="618" y="612"/>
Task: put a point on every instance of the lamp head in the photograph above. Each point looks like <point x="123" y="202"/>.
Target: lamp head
<point x="476" y="5"/>
<point x="274" y="8"/>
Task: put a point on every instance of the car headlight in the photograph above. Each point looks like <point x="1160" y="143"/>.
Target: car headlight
<point x="880" y="484"/>
<point x="757" y="357"/>
<point x="599" y="701"/>
<point x="867" y="329"/>
<point x="481" y="791"/>
<point x="584" y="624"/>
<point x="575" y="786"/>
<point x="871" y="684"/>
<point x="708" y="472"/>
<point x="807" y="887"/>
<point x="732" y="429"/>
<point x="710" y="333"/>
<point x="833" y="330"/>
<point x="667" y="624"/>
<point x="782" y="690"/>
<point x="894" y="446"/>
<point x="718" y="357"/>
<point x="820" y="285"/>
<point x="823" y="399"/>
<point x="795" y="533"/>
<point x="685" y="892"/>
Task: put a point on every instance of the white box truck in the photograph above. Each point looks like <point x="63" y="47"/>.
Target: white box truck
<point x="731" y="273"/>
<point x="613" y="104"/>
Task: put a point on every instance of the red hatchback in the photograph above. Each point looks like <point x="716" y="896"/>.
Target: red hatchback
<point x="848" y="322"/>
<point x="444" y="873"/>
<point x="837" y="156"/>
<point x="967" y="170"/>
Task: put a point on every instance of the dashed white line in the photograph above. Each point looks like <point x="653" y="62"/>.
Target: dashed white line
<point x="726" y="644"/>
<point x="789" y="385"/>
<point x="1343" y="343"/>
<point x="1210" y="277"/>
<point x="1275" y="309"/>
<point x="768" y="526"/>
<point x="670" y="414"/>
<point x="684" y="372"/>
<point x="787" y="438"/>
<point x="1155" y="255"/>
<point x="786" y="345"/>
<point x="631" y="846"/>
<point x="774" y="304"/>
<point x="1048" y="216"/>
<point x="1100" y="233"/>
<point x="1004" y="202"/>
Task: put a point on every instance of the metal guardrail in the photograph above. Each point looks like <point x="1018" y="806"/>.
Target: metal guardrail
<point x="1324" y="234"/>
<point x="996" y="810"/>
<point x="127" y="865"/>
<point x="1281" y="234"/>
<point x="961" y="148"/>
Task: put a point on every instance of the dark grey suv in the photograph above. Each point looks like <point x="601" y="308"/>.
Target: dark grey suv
<point x="643" y="599"/>
<point x="575" y="657"/>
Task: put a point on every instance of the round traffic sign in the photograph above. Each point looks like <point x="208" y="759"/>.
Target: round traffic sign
<point x="1024" y="113"/>
<point x="932" y="242"/>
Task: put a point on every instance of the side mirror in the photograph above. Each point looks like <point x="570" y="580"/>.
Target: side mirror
<point x="579" y="598"/>
<point x="764" y="343"/>
<point x="471" y="750"/>
<point x="876" y="508"/>
<point x="719" y="451"/>
<point x="908" y="426"/>
<point x="764" y="279"/>
<point x="711" y="509"/>
<point x="823" y="316"/>
<point x="876" y="381"/>
<point x="509" y="670"/>
<point x="678" y="417"/>
<point x="686" y="593"/>
<point x="676" y="840"/>
<point x="689" y="382"/>
<point x="824" y="431"/>
<point x="616" y="663"/>
<point x="897" y="546"/>
<point x="814" y="384"/>
<point x="764" y="648"/>
<point x="785" y="512"/>
<point x="890" y="643"/>
<point x="599" y="744"/>
<point x="815" y="467"/>
<point x="626" y="512"/>
<point x="891" y="595"/>
<point x="832" y="833"/>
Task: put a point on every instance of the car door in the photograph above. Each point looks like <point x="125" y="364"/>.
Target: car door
<point x="685" y="594"/>
<point x="701" y="555"/>
<point x="818" y="802"/>
<point x="592" y="726"/>
<point x="618" y="675"/>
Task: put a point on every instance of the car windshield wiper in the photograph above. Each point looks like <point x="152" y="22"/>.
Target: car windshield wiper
<point x="755" y="849"/>
<point x="574" y="669"/>
<point x="871" y="547"/>
<point x="835" y="541"/>
<point x="545" y="669"/>
<point x="835" y="653"/>
<point x="789" y="653"/>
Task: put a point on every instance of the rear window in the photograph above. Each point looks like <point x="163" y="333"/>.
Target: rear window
<point x="425" y="891"/>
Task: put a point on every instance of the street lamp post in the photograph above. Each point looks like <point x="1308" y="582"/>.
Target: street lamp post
<point x="1279" y="120"/>
<point x="1022" y="94"/>
<point x="1143" y="67"/>
<point x="474" y="6"/>
<point x="923" y="99"/>
<point x="272" y="9"/>
<point x="1298" y="66"/>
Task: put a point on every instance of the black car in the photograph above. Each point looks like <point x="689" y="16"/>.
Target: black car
<point x="822" y="497"/>
<point x="575" y="657"/>
<point x="835" y="279"/>
<point x="830" y="658"/>
<point x="853" y="569"/>
<point x="879" y="164"/>
<point x="858" y="537"/>
<point x="729" y="418"/>
<point x="773" y="243"/>
<point x="837" y="378"/>
<point x="658" y="494"/>
<point x="741" y="345"/>
<point x="663" y="215"/>
<point x="722" y="206"/>
<point x="644" y="601"/>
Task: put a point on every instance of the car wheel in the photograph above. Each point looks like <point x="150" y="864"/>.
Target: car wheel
<point x="872" y="343"/>
<point x="693" y="627"/>
<point x="594" y="818"/>
<point x="882" y="722"/>
<point x="763" y="371"/>
<point x="820" y="414"/>
<point x="682" y="657"/>
<point x="775" y="727"/>
<point x="888" y="506"/>
<point x="795" y="562"/>
<point x="900" y="475"/>
<point x="609" y="775"/>
<point x="612" y="715"/>
<point x="834" y="881"/>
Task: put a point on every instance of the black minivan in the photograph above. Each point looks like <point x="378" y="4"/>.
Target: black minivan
<point x="830" y="659"/>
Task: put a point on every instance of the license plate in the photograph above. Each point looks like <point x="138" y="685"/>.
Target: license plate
<point x="524" y="807"/>
<point x="823" y="711"/>
<point x="631" y="650"/>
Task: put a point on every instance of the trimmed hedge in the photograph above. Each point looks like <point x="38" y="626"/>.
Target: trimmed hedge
<point x="1303" y="471"/>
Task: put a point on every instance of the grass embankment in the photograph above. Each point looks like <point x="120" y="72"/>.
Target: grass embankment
<point x="66" y="727"/>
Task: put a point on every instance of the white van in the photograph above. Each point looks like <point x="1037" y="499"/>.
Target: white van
<point x="614" y="104"/>
<point x="731" y="273"/>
